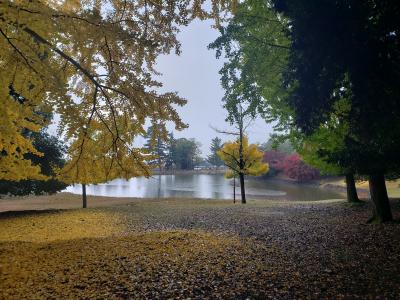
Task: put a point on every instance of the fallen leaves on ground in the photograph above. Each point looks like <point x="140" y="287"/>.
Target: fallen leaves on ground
<point x="201" y="249"/>
<point x="47" y="226"/>
<point x="152" y="265"/>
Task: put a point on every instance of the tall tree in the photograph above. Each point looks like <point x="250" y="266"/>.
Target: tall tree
<point x="156" y="146"/>
<point x="351" y="45"/>
<point x="87" y="61"/>
<point x="213" y="158"/>
<point x="256" y="43"/>
<point x="240" y="74"/>
<point x="242" y="159"/>
<point x="323" y="149"/>
<point x="170" y="162"/>
<point x="90" y="160"/>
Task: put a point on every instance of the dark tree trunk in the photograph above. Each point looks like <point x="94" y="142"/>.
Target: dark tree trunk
<point x="84" y="199"/>
<point x="242" y="190"/>
<point x="379" y="196"/>
<point x="351" y="189"/>
<point x="234" y="189"/>
<point x="241" y="160"/>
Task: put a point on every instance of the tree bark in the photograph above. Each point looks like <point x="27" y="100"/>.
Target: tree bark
<point x="84" y="199"/>
<point x="242" y="190"/>
<point x="234" y="189"/>
<point x="379" y="196"/>
<point x="351" y="189"/>
<point x="241" y="159"/>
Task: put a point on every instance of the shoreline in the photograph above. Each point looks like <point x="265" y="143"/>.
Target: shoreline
<point x="189" y="172"/>
<point x="327" y="183"/>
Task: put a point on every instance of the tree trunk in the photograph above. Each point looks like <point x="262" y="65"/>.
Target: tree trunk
<point x="242" y="190"/>
<point x="234" y="189"/>
<point x="241" y="160"/>
<point x="84" y="199"/>
<point x="351" y="189"/>
<point x="379" y="196"/>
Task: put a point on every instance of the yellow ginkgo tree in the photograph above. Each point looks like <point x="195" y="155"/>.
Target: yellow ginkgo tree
<point x="80" y="58"/>
<point x="96" y="155"/>
<point x="242" y="159"/>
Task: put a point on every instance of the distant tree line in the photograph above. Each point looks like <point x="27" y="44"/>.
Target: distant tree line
<point x="180" y="153"/>
<point x="173" y="153"/>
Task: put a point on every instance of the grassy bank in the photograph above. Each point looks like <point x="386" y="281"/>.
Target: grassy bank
<point x="181" y="248"/>
<point x="392" y="186"/>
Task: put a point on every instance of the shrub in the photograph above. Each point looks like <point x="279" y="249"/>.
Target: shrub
<point x="275" y="160"/>
<point x="297" y="169"/>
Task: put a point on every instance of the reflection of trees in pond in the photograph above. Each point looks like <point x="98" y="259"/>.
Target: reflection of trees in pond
<point x="159" y="186"/>
<point x="205" y="186"/>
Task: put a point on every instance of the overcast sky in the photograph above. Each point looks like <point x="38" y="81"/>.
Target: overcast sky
<point x="194" y="75"/>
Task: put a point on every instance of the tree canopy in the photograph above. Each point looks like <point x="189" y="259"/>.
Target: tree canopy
<point x="322" y="70"/>
<point x="186" y="153"/>
<point x="349" y="47"/>
<point x="52" y="159"/>
<point x="156" y="146"/>
<point x="252" y="159"/>
<point x="91" y="62"/>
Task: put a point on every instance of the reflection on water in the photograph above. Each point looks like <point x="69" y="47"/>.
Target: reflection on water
<point x="203" y="186"/>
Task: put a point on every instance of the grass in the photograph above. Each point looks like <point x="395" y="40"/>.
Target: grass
<point x="392" y="186"/>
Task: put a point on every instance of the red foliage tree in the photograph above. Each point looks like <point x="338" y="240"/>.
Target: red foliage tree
<point x="297" y="169"/>
<point x="275" y="160"/>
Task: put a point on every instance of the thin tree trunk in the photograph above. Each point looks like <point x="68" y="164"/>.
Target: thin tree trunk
<point x="159" y="173"/>
<point x="241" y="160"/>
<point x="379" y="196"/>
<point x="234" y="189"/>
<point x="242" y="190"/>
<point x="351" y="189"/>
<point x="84" y="199"/>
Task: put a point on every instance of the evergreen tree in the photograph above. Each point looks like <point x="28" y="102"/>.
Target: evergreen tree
<point x="170" y="162"/>
<point x="156" y="146"/>
<point x="213" y="158"/>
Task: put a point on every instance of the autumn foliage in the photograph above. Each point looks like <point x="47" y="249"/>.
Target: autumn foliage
<point x="252" y="159"/>
<point x="291" y="165"/>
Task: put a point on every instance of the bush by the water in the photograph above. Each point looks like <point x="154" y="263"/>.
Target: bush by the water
<point x="291" y="165"/>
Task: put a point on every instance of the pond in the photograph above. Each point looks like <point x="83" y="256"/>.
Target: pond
<point x="205" y="186"/>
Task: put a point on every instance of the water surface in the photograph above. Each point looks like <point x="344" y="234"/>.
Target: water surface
<point x="204" y="186"/>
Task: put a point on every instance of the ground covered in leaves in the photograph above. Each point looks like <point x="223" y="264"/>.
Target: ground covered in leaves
<point x="158" y="249"/>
